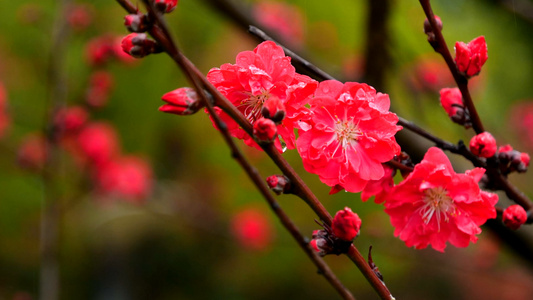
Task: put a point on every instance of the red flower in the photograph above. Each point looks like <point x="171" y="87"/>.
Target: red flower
<point x="258" y="75"/>
<point x="98" y="143"/>
<point x="434" y="205"/>
<point x="470" y="57"/>
<point x="514" y="216"/>
<point x="252" y="229"/>
<point x="127" y="177"/>
<point x="346" y="224"/>
<point x="483" y="145"/>
<point x="349" y="135"/>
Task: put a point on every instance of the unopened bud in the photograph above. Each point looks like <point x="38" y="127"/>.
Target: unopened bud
<point x="279" y="184"/>
<point x="514" y="216"/>
<point x="136" y="22"/>
<point x="483" y="145"/>
<point x="138" y="45"/>
<point x="273" y="109"/>
<point x="346" y="224"/>
<point x="165" y="6"/>
<point x="451" y="100"/>
<point x="182" y="101"/>
<point x="512" y="160"/>
<point x="321" y="245"/>
<point x="265" y="130"/>
<point x="428" y="29"/>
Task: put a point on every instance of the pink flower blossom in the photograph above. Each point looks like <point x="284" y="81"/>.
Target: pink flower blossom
<point x="252" y="229"/>
<point x="351" y="132"/>
<point x="435" y="205"/>
<point x="470" y="57"/>
<point x="128" y="177"/>
<point x="483" y="145"/>
<point x="257" y="76"/>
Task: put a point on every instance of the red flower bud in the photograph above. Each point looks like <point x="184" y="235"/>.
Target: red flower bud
<point x="483" y="145"/>
<point x="346" y="224"/>
<point x="98" y="143"/>
<point x="452" y="102"/>
<point x="265" y="130"/>
<point x="514" y="216"/>
<point x="273" y="109"/>
<point x="165" y="6"/>
<point x="136" y="22"/>
<point x="470" y="57"/>
<point x="321" y="245"/>
<point x="279" y="184"/>
<point x="182" y="101"/>
<point x="71" y="119"/>
<point x="138" y="45"/>
<point x="100" y="87"/>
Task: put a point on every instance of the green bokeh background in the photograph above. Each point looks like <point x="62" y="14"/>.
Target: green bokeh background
<point x="179" y="244"/>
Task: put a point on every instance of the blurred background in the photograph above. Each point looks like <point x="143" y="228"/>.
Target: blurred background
<point x="151" y="206"/>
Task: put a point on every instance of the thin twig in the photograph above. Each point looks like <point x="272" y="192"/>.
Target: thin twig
<point x="49" y="277"/>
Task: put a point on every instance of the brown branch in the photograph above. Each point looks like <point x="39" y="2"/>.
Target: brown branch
<point x="461" y="80"/>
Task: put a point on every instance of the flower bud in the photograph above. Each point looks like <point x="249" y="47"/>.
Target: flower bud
<point x="514" y="216"/>
<point x="165" y="6"/>
<point x="265" y="130"/>
<point x="182" y="101"/>
<point x="136" y="22"/>
<point x="138" y="45"/>
<point x="321" y="245"/>
<point x="470" y="57"/>
<point x="346" y="224"/>
<point x="279" y="184"/>
<point x="71" y="119"/>
<point x="483" y="145"/>
<point x="452" y="102"/>
<point x="273" y="109"/>
<point x="512" y="160"/>
<point x="429" y="30"/>
<point x="100" y="88"/>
